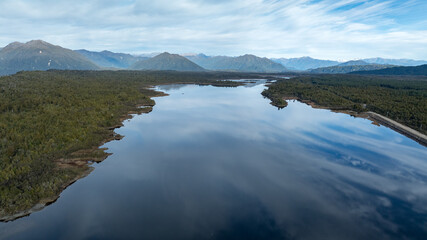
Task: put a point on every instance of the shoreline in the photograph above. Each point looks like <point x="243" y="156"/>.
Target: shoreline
<point x="377" y="119"/>
<point x="398" y="127"/>
<point x="79" y="158"/>
<point x="46" y="201"/>
<point x="85" y="163"/>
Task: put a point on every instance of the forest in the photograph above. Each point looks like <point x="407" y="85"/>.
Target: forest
<point x="403" y="99"/>
<point x="52" y="123"/>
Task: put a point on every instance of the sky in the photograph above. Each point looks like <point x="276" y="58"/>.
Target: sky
<point x="325" y="29"/>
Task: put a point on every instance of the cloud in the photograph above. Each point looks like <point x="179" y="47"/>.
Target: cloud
<point x="343" y="29"/>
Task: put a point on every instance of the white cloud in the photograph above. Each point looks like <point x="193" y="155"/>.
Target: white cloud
<point x="343" y="29"/>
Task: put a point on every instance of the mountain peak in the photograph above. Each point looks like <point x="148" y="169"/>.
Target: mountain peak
<point x="244" y="63"/>
<point x="249" y="56"/>
<point x="12" y="46"/>
<point x="165" y="54"/>
<point x="38" y="43"/>
<point x="167" y="61"/>
<point x="202" y="55"/>
<point x="40" y="55"/>
<point x="110" y="60"/>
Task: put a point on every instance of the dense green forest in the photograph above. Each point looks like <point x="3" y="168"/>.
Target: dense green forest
<point x="48" y="118"/>
<point x="52" y="123"/>
<point x="403" y="99"/>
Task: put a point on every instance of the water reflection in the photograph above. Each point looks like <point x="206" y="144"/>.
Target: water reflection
<point x="221" y="163"/>
<point x="169" y="87"/>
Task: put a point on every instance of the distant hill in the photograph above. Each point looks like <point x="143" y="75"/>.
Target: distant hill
<point x="355" y="63"/>
<point x="207" y="62"/>
<point x="245" y="63"/>
<point x="417" y="70"/>
<point x="40" y="55"/>
<point x="304" y="63"/>
<point x="167" y="61"/>
<point x="397" y="62"/>
<point x="349" y="68"/>
<point x="109" y="59"/>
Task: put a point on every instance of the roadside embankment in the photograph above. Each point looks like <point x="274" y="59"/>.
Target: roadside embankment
<point x="407" y="131"/>
<point x="375" y="117"/>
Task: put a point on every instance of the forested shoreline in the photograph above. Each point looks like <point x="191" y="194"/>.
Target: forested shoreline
<point x="403" y="99"/>
<point x="52" y="123"/>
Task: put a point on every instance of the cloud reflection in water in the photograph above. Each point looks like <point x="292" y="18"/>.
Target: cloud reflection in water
<point x="221" y="163"/>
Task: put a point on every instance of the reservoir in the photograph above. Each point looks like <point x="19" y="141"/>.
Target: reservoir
<point x="222" y="163"/>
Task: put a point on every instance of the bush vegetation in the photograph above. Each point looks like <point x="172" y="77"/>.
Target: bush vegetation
<point x="46" y="116"/>
<point x="403" y="99"/>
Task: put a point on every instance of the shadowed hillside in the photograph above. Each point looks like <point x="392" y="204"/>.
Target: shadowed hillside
<point x="167" y="61"/>
<point x="348" y="68"/>
<point x="109" y="59"/>
<point x="40" y="55"/>
<point x="304" y="63"/>
<point x="245" y="63"/>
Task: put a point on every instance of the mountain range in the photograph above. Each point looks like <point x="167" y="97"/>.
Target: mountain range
<point x="396" y="62"/>
<point x="245" y="63"/>
<point x="304" y="63"/>
<point x="354" y="63"/>
<point x="348" y="68"/>
<point x="308" y="63"/>
<point x="417" y="70"/>
<point x="107" y="59"/>
<point x="40" y="55"/>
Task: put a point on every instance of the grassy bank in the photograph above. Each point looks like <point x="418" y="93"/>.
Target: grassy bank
<point x="52" y="123"/>
<point x="403" y="99"/>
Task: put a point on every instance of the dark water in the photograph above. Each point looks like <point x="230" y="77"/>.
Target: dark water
<point x="221" y="163"/>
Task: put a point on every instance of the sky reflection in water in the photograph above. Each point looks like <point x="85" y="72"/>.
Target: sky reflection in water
<point x="221" y="163"/>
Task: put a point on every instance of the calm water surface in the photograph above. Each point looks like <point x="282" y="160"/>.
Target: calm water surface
<point x="221" y="163"/>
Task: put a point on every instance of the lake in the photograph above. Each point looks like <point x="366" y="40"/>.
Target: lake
<point x="222" y="163"/>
